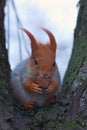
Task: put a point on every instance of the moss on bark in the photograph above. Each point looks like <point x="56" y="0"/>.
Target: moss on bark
<point x="79" y="52"/>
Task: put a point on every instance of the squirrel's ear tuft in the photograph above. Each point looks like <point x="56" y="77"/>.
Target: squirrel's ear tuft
<point x="53" y="44"/>
<point x="34" y="44"/>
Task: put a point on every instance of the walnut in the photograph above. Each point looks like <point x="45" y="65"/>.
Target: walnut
<point x="43" y="82"/>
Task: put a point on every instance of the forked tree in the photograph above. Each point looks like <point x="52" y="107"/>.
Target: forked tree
<point x="72" y="101"/>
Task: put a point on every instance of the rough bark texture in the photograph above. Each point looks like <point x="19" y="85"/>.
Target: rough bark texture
<point x="4" y="69"/>
<point x="78" y="60"/>
<point x="76" y="74"/>
<point x="75" y="82"/>
<point x="72" y="102"/>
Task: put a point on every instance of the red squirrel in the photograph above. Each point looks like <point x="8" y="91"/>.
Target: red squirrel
<point x="36" y="80"/>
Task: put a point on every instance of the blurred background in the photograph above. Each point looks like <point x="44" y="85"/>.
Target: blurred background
<point x="58" y="16"/>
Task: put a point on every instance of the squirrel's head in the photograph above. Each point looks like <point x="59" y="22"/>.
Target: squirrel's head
<point x="42" y="61"/>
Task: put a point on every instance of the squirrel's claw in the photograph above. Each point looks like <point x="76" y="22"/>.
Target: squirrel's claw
<point x="33" y="88"/>
<point x="51" y="89"/>
<point x="37" y="90"/>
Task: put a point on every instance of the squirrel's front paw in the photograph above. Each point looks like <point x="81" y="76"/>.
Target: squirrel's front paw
<point x="35" y="88"/>
<point x="32" y="87"/>
<point x="52" y="88"/>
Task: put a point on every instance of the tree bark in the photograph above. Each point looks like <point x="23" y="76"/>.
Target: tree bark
<point x="79" y="55"/>
<point x="75" y="82"/>
<point x="72" y="102"/>
<point x="4" y="71"/>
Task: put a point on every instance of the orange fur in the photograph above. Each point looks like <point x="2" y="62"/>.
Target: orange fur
<point x="51" y="100"/>
<point x="29" y="104"/>
<point x="45" y="58"/>
<point x="39" y="74"/>
<point x="31" y="86"/>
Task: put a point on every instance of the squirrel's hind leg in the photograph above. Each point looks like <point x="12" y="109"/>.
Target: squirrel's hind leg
<point x="51" y="100"/>
<point x="29" y="104"/>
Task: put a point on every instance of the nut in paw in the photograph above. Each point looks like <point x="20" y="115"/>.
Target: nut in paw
<point x="43" y="82"/>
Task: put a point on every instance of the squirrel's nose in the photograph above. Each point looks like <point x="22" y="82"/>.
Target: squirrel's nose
<point x="44" y="75"/>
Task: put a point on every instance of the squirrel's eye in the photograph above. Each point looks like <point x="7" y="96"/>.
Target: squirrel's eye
<point x="35" y="61"/>
<point x="54" y="64"/>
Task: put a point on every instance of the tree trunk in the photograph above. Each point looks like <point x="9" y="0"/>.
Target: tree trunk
<point x="4" y="72"/>
<point x="79" y="53"/>
<point x="72" y="102"/>
<point x="75" y="82"/>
